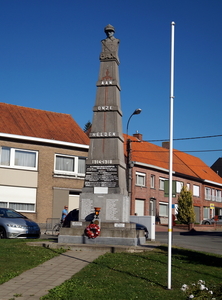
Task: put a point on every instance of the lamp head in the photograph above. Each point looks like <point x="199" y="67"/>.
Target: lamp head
<point x="137" y="111"/>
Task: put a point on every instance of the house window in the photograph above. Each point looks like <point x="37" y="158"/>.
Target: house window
<point x="213" y="195"/>
<point x="70" y="165"/>
<point x="65" y="163"/>
<point x="140" y="179"/>
<point x="218" y="196"/>
<point x="163" y="209"/>
<point x="207" y="193"/>
<point x="5" y="156"/>
<point x="81" y="165"/>
<point x="18" y="158"/>
<point x="196" y="190"/>
<point x="206" y="213"/>
<point x="161" y="183"/>
<point x="22" y="207"/>
<point x="25" y="159"/>
<point x="179" y="186"/>
<point x="152" y="181"/>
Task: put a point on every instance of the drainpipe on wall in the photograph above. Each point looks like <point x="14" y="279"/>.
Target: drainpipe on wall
<point x="129" y="169"/>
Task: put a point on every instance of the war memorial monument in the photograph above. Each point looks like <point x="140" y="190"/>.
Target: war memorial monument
<point x="104" y="202"/>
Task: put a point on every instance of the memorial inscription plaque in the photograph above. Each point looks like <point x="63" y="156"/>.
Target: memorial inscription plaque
<point x="111" y="209"/>
<point x="87" y="208"/>
<point x="101" y="176"/>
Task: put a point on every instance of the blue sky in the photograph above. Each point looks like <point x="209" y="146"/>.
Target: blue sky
<point x="49" y="60"/>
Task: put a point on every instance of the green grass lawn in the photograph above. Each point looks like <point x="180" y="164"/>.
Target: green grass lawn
<point x="126" y="276"/>
<point x="119" y="276"/>
<point x="16" y="257"/>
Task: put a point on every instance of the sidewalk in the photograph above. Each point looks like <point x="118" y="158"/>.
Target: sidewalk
<point x="34" y="283"/>
<point x="197" y="228"/>
<point x="164" y="228"/>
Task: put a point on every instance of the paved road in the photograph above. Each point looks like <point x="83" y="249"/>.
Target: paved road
<point x="200" y="241"/>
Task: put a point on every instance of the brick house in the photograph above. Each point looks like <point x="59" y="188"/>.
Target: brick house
<point x="150" y="168"/>
<point x="217" y="166"/>
<point x="42" y="161"/>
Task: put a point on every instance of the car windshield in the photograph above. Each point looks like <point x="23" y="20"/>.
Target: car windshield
<point x="8" y="213"/>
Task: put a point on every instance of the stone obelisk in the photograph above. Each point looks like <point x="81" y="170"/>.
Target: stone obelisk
<point x="105" y="181"/>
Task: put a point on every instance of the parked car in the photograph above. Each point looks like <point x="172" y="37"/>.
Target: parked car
<point x="142" y="227"/>
<point x="215" y="219"/>
<point x="15" y="225"/>
<point x="73" y="215"/>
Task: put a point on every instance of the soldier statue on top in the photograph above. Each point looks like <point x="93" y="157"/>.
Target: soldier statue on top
<point x="110" y="45"/>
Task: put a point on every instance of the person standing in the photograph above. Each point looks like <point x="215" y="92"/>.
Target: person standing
<point x="64" y="213"/>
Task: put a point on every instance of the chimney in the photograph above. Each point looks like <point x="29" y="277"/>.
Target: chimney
<point x="166" y="145"/>
<point x="138" y="135"/>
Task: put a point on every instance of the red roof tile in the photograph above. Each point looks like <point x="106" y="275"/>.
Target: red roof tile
<point x="183" y="163"/>
<point x="201" y="170"/>
<point x="37" y="123"/>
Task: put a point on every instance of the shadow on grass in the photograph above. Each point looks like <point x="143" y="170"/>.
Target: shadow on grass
<point x="195" y="257"/>
<point x="190" y="257"/>
<point x="111" y="268"/>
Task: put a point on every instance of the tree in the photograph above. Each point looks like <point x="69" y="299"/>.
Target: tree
<point x="87" y="127"/>
<point x="186" y="214"/>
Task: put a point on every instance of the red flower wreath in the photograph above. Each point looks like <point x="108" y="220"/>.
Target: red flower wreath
<point x="92" y="231"/>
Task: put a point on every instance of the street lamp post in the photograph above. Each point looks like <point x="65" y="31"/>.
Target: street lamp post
<point x="129" y="169"/>
<point x="136" y="112"/>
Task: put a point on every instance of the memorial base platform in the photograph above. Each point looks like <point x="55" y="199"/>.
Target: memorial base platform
<point x="110" y="234"/>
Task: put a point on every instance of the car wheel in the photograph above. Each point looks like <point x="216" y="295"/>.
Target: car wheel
<point x="2" y="233"/>
<point x="207" y="223"/>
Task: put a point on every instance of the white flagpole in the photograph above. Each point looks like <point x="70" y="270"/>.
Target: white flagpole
<point x="171" y="157"/>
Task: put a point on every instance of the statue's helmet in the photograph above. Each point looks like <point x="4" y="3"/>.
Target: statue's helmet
<point x="109" y="28"/>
